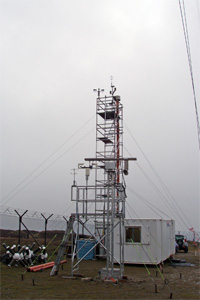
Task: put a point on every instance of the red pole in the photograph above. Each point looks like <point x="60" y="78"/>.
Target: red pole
<point x="118" y="151"/>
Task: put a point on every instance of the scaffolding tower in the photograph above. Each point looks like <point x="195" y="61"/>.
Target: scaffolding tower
<point x="104" y="201"/>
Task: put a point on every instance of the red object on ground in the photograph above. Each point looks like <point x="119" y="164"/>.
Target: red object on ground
<point x="44" y="266"/>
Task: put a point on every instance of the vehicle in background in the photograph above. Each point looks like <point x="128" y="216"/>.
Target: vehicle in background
<point x="181" y="240"/>
<point x="176" y="247"/>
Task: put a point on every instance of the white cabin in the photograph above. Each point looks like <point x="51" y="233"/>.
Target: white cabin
<point x="147" y="241"/>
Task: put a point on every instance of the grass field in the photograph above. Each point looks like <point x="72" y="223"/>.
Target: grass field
<point x="177" y="283"/>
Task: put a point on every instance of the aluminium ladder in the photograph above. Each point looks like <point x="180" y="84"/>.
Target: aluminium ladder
<point x="62" y="247"/>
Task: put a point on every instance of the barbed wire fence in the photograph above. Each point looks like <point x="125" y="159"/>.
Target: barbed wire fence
<point x="33" y="220"/>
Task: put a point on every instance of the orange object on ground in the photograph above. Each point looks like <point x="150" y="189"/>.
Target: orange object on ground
<point x="44" y="266"/>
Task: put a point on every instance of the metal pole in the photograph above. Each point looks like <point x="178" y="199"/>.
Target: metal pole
<point x="19" y="235"/>
<point x="118" y="152"/>
<point x="20" y="221"/>
<point x="45" y="228"/>
<point x="86" y="199"/>
<point x="112" y="222"/>
<point x="120" y="245"/>
<point x="108" y="228"/>
<point x="72" y="250"/>
<point x="65" y="219"/>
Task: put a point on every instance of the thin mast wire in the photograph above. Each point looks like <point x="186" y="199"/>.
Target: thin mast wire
<point x="150" y="205"/>
<point x="163" y="185"/>
<point x="44" y="161"/>
<point x="43" y="170"/>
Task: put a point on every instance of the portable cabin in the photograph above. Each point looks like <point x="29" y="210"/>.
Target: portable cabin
<point x="146" y="241"/>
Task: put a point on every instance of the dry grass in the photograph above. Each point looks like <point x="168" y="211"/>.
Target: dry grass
<point x="138" y="286"/>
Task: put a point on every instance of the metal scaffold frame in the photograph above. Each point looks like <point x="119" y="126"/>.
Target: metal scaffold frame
<point x="103" y="202"/>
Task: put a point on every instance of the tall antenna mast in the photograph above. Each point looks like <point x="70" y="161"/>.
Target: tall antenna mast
<point x="74" y="173"/>
<point x="113" y="88"/>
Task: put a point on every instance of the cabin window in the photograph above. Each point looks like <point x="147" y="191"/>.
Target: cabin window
<point x="133" y="234"/>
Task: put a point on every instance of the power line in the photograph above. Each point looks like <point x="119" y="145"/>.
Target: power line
<point x="187" y="43"/>
<point x="198" y="11"/>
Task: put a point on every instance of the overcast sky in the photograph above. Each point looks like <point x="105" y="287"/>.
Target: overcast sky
<point x="53" y="54"/>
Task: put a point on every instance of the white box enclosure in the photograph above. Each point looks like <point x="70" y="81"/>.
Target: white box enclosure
<point x="149" y="241"/>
